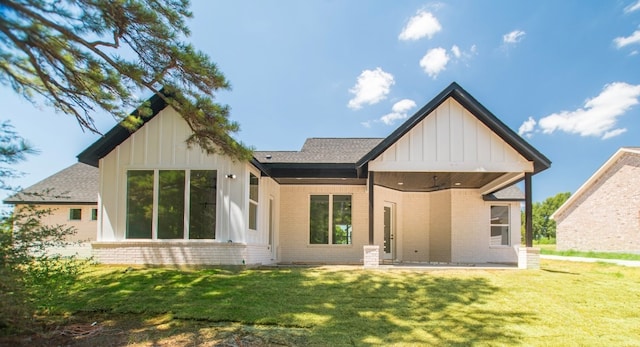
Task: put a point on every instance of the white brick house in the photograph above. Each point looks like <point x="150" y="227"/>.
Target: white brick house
<point x="604" y="213"/>
<point x="432" y="191"/>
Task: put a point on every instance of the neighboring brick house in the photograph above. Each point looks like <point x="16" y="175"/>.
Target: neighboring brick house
<point x="426" y="193"/>
<point x="72" y="197"/>
<point x="604" y="213"/>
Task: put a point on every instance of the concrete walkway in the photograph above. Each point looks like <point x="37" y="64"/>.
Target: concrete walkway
<point x="632" y="263"/>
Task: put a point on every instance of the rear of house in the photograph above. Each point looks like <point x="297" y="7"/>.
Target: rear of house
<point x="438" y="189"/>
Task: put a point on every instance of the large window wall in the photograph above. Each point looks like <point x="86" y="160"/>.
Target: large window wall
<point x="171" y="204"/>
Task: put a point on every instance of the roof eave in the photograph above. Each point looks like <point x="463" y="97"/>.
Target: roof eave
<point x="114" y="137"/>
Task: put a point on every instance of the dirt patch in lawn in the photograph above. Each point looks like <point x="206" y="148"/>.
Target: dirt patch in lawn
<point x="164" y="330"/>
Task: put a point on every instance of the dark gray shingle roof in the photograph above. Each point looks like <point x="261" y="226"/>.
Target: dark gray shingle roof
<point x="76" y="184"/>
<point x="322" y="150"/>
<point x="510" y="193"/>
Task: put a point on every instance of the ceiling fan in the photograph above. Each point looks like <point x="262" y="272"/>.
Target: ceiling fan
<point x="435" y="187"/>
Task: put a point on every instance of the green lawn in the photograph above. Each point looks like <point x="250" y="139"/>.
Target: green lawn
<point x="551" y="249"/>
<point x="563" y="304"/>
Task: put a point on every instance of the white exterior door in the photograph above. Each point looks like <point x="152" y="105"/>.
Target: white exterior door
<point x="389" y="248"/>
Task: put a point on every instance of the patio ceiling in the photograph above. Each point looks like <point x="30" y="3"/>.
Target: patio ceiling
<point x="432" y="181"/>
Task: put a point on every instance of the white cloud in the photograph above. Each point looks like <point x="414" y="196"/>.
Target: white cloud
<point x="435" y="61"/>
<point x="421" y="25"/>
<point x="456" y="51"/>
<point x="599" y="115"/>
<point x="632" y="7"/>
<point x="398" y="111"/>
<point x="372" y="87"/>
<point x="513" y="37"/>
<point x="613" y="133"/>
<point x="624" y="41"/>
<point x="526" y="129"/>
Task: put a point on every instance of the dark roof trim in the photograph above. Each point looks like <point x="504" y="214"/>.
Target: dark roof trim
<point x="259" y="166"/>
<point x="491" y="197"/>
<point x="313" y="170"/>
<point x="540" y="162"/>
<point x="103" y="146"/>
<point x="39" y="202"/>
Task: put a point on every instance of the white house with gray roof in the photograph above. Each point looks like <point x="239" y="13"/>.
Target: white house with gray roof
<point x="432" y="191"/>
<point x="71" y="196"/>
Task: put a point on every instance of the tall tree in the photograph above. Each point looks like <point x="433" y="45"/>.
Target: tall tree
<point x="543" y="225"/>
<point x="73" y="55"/>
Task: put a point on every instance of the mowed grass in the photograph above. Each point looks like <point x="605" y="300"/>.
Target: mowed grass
<point x="551" y="249"/>
<point x="563" y="304"/>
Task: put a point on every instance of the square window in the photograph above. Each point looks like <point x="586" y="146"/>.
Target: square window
<point x="330" y="219"/>
<point x="75" y="214"/>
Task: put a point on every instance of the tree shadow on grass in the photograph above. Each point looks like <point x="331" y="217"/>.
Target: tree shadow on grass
<point x="363" y="308"/>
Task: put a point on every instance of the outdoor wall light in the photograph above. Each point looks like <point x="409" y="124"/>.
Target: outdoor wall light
<point x="232" y="176"/>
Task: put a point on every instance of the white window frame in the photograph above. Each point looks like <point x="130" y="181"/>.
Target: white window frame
<point x="187" y="209"/>
<point x="253" y="202"/>
<point x="508" y="225"/>
<point x="330" y="223"/>
<point x="70" y="214"/>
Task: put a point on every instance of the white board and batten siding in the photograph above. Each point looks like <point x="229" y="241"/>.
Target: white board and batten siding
<point x="160" y="144"/>
<point x="450" y="139"/>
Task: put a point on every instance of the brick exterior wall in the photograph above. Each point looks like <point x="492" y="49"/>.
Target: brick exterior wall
<point x="606" y="217"/>
<point x="471" y="233"/>
<point x="294" y="244"/>
<point x="180" y="253"/>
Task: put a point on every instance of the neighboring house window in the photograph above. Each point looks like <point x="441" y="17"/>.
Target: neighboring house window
<point x="500" y="226"/>
<point x="75" y="214"/>
<point x="94" y="214"/>
<point x="161" y="196"/>
<point x="253" y="201"/>
<point x="330" y="219"/>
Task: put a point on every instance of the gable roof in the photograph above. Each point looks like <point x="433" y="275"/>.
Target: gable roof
<point x="114" y="137"/>
<point x="620" y="153"/>
<point x="540" y="162"/>
<point x="119" y="133"/>
<point x="77" y="184"/>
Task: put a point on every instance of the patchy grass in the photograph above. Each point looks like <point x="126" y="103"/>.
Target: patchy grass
<point x="563" y="304"/>
<point x="551" y="250"/>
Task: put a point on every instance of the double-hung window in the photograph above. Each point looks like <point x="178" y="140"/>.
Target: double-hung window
<point x="500" y="225"/>
<point x="330" y="219"/>
<point x="171" y="204"/>
<point x="253" y="201"/>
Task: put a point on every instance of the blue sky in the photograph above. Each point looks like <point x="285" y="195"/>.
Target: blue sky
<point x="565" y="74"/>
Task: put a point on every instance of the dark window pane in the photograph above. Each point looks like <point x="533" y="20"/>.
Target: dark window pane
<point x="94" y="214"/>
<point x="253" y="216"/>
<point x="499" y="214"/>
<point x="319" y="219"/>
<point x="139" y="204"/>
<point x="75" y="214"/>
<point x="341" y="220"/>
<point x="253" y="187"/>
<point x="202" y="204"/>
<point x="499" y="236"/>
<point x="171" y="204"/>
